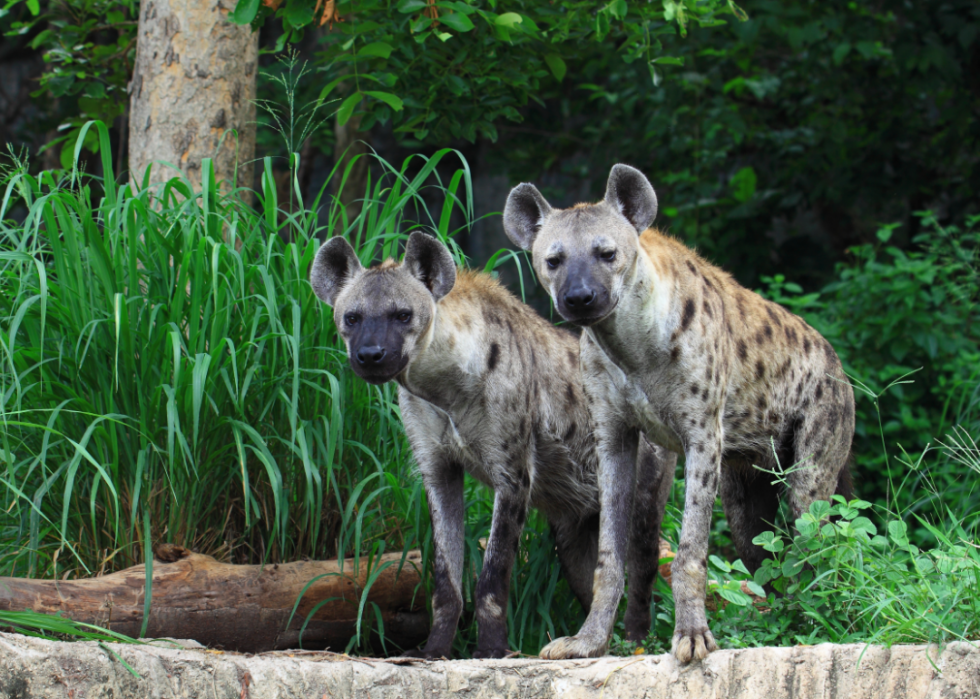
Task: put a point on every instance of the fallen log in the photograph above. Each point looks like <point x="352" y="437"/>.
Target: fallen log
<point x="239" y="607"/>
<point x="32" y="668"/>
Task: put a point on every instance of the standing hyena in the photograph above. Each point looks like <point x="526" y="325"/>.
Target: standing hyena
<point x="488" y="387"/>
<point x="675" y="347"/>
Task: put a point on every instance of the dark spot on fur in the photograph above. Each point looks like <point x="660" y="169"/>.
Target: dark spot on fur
<point x="768" y="331"/>
<point x="806" y="345"/>
<point x="760" y="370"/>
<point x="570" y="394"/>
<point x="813" y="492"/>
<point x="570" y="432"/>
<point x="760" y="402"/>
<point x="700" y="448"/>
<point x="695" y="389"/>
<point x="772" y="314"/>
<point x="675" y="353"/>
<point x="790" y="335"/>
<point x="704" y="395"/>
<point x="818" y="394"/>
<point x="707" y="309"/>
<point x="526" y="479"/>
<point x="573" y="357"/>
<point x="690" y="266"/>
<point x="688" y="315"/>
<point x="494" y="356"/>
<point x="743" y="350"/>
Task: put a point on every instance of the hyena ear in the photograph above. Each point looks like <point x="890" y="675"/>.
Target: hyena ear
<point x="524" y="213"/>
<point x="334" y="266"/>
<point x="631" y="194"/>
<point x="429" y="261"/>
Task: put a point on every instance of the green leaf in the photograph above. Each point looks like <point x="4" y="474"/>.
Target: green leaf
<point x="617" y="8"/>
<point x="380" y="49"/>
<point x="457" y="21"/>
<point x="388" y="98"/>
<point x="735" y="597"/>
<point x="668" y="61"/>
<point x="298" y="13"/>
<point x="720" y="564"/>
<point x="34" y="6"/>
<point x="755" y="588"/>
<point x="347" y="108"/>
<point x="244" y="12"/>
<point x="508" y="19"/>
<point x="840" y="53"/>
<point x="743" y="185"/>
<point x="818" y="508"/>
<point x="557" y="66"/>
<point x="408" y="6"/>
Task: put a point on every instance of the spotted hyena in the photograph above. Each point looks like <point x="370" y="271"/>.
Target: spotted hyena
<point x="488" y="387"/>
<point x="675" y="347"/>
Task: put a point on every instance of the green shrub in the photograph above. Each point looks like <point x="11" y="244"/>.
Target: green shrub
<point x="906" y="325"/>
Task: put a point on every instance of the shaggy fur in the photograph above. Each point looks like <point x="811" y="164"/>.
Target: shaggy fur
<point x="488" y="387"/>
<point x="675" y="347"/>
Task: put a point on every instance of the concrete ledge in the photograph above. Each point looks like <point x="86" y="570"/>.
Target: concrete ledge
<point x="33" y="668"/>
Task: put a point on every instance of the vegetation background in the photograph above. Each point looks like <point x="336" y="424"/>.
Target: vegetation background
<point x="167" y="375"/>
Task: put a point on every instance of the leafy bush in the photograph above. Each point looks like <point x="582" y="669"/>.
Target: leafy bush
<point x="905" y="324"/>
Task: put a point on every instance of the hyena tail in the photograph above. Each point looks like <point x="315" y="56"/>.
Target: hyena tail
<point x="845" y="484"/>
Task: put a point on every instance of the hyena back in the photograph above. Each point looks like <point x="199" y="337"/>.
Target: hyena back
<point x="487" y="387"/>
<point x="675" y="347"/>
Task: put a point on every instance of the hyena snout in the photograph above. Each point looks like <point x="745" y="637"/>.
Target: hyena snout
<point x="371" y="355"/>
<point x="582" y="299"/>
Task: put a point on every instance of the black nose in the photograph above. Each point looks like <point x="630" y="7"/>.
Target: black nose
<point x="371" y="355"/>
<point x="579" y="297"/>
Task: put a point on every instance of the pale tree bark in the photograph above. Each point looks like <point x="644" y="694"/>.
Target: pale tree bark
<point x="194" y="82"/>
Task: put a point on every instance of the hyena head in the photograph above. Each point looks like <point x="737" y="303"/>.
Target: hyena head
<point x="584" y="254"/>
<point x="383" y="313"/>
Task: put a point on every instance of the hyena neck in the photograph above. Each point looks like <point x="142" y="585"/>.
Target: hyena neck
<point x="438" y="371"/>
<point x="638" y="332"/>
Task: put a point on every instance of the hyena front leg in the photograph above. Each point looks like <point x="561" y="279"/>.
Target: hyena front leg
<point x="444" y="490"/>
<point x="654" y="478"/>
<point x="692" y="639"/>
<point x="617" y="469"/>
<point x="509" y="513"/>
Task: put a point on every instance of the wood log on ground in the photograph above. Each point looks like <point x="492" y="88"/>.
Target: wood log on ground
<point x="38" y="669"/>
<point x="239" y="607"/>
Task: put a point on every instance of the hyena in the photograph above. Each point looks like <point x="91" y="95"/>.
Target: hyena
<point x="675" y="347"/>
<point x="488" y="387"/>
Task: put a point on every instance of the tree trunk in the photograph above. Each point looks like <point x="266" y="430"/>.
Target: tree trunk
<point x="194" y="82"/>
<point x="238" y="607"/>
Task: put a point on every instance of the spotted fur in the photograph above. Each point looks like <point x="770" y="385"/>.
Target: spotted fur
<point x="675" y="347"/>
<point x="488" y="387"/>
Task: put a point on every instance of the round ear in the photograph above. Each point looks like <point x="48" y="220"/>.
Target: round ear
<point x="524" y="213"/>
<point x="334" y="267"/>
<point x="429" y="261"/>
<point x="631" y="194"/>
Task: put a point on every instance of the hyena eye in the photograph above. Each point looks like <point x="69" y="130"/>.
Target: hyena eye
<point x="404" y="316"/>
<point x="553" y="262"/>
<point x="607" y="255"/>
<point x="351" y="319"/>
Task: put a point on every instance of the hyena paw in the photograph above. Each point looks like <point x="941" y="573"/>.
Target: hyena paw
<point x="490" y="653"/>
<point x="424" y="654"/>
<point x="573" y="647"/>
<point x="692" y="644"/>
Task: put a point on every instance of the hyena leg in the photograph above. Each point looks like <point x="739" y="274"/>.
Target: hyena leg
<point x="444" y="489"/>
<point x="577" y="541"/>
<point x="654" y="476"/>
<point x="822" y="445"/>
<point x="617" y="465"/>
<point x="692" y="639"/>
<point x="509" y="513"/>
<point x="751" y="503"/>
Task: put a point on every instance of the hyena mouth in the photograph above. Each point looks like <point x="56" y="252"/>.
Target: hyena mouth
<point x="381" y="374"/>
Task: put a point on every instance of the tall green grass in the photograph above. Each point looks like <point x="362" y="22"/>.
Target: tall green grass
<point x="165" y="369"/>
